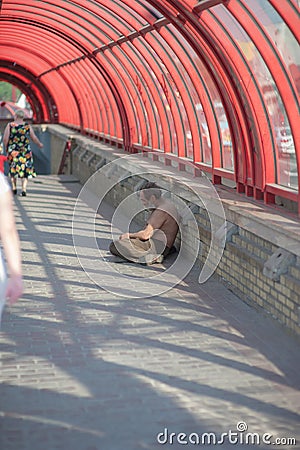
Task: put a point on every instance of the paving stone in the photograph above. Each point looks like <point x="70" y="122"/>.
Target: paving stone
<point x="85" y="369"/>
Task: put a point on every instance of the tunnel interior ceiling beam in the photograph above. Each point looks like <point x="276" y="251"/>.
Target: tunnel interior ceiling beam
<point x="90" y="25"/>
<point x="167" y="75"/>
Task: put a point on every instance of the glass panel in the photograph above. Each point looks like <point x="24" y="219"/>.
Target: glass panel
<point x="281" y="36"/>
<point x="223" y="130"/>
<point x="125" y="84"/>
<point x="210" y="88"/>
<point x="157" y="87"/>
<point x="167" y="88"/>
<point x="206" y="152"/>
<point x="227" y="148"/>
<point x="189" y="153"/>
<point x="138" y="86"/>
<point x="194" y="99"/>
<point x="285" y="160"/>
<point x="146" y="83"/>
<point x="131" y="11"/>
<point x="288" y="48"/>
<point x="153" y="11"/>
<point x="222" y="127"/>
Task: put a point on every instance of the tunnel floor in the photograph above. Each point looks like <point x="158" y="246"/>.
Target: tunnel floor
<point x="83" y="368"/>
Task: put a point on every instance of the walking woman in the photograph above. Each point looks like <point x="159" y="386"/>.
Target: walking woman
<point x="16" y="140"/>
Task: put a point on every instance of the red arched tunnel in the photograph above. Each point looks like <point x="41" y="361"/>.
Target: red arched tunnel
<point x="215" y="82"/>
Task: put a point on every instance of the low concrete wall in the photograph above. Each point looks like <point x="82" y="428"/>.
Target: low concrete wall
<point x="261" y="259"/>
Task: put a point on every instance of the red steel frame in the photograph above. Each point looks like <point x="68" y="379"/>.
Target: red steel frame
<point x="285" y="87"/>
<point x="97" y="67"/>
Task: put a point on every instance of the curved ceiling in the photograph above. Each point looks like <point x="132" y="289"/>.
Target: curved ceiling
<point x="212" y="81"/>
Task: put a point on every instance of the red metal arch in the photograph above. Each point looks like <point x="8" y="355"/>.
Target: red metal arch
<point x="105" y="68"/>
<point x="41" y="101"/>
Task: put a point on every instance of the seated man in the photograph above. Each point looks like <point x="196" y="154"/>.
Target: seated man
<point x="156" y="240"/>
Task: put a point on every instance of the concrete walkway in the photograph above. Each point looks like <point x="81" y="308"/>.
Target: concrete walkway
<point x="85" y="369"/>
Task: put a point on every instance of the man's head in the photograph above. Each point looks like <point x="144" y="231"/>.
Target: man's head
<point x="150" y="195"/>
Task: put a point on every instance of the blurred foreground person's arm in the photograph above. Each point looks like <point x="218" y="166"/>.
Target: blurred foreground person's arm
<point x="11" y="245"/>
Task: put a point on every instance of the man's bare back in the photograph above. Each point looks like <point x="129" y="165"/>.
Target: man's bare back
<point x="165" y="218"/>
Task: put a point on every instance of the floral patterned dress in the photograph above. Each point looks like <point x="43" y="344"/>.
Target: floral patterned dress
<point x="19" y="154"/>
